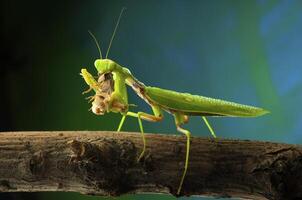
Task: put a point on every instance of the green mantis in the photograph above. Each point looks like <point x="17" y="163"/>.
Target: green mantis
<point x="111" y="96"/>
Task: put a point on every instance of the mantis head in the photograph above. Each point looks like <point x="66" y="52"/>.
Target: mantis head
<point x="104" y="65"/>
<point x="104" y="99"/>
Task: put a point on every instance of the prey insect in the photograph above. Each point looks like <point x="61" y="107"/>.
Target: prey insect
<point x="111" y="96"/>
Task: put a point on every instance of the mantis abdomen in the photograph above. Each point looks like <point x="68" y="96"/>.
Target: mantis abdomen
<point x="199" y="105"/>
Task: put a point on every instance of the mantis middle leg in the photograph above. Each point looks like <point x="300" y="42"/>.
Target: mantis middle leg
<point x="145" y="116"/>
<point x="179" y="120"/>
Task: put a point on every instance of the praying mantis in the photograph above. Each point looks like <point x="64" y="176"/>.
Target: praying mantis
<point x="111" y="96"/>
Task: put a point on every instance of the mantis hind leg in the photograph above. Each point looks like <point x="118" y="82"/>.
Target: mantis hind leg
<point x="209" y="126"/>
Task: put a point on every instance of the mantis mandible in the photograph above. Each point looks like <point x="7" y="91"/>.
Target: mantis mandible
<point x="113" y="98"/>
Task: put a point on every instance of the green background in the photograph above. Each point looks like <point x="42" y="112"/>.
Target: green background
<point x="243" y="51"/>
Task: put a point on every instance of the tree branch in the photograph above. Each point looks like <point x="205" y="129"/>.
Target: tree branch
<point x="105" y="163"/>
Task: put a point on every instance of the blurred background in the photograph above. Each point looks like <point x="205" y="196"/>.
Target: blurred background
<point x="243" y="51"/>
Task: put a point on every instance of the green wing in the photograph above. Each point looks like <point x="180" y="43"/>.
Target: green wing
<point x="199" y="105"/>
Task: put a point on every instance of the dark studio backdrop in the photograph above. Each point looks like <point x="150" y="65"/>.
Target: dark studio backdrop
<point x="243" y="51"/>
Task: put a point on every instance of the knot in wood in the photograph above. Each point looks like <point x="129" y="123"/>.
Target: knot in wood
<point x="104" y="165"/>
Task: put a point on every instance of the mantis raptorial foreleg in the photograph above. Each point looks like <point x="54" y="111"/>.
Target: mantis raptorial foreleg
<point x="89" y="79"/>
<point x="145" y="116"/>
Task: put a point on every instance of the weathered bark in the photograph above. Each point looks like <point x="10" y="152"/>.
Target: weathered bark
<point x="105" y="163"/>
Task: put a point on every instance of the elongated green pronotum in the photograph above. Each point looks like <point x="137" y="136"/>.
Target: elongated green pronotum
<point x="180" y="105"/>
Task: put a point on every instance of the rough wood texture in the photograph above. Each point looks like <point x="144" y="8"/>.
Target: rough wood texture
<point x="104" y="163"/>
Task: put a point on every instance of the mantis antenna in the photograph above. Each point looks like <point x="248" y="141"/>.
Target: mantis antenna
<point x="116" y="26"/>
<point x="97" y="44"/>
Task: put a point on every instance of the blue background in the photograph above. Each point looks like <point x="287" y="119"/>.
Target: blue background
<point x="243" y="51"/>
